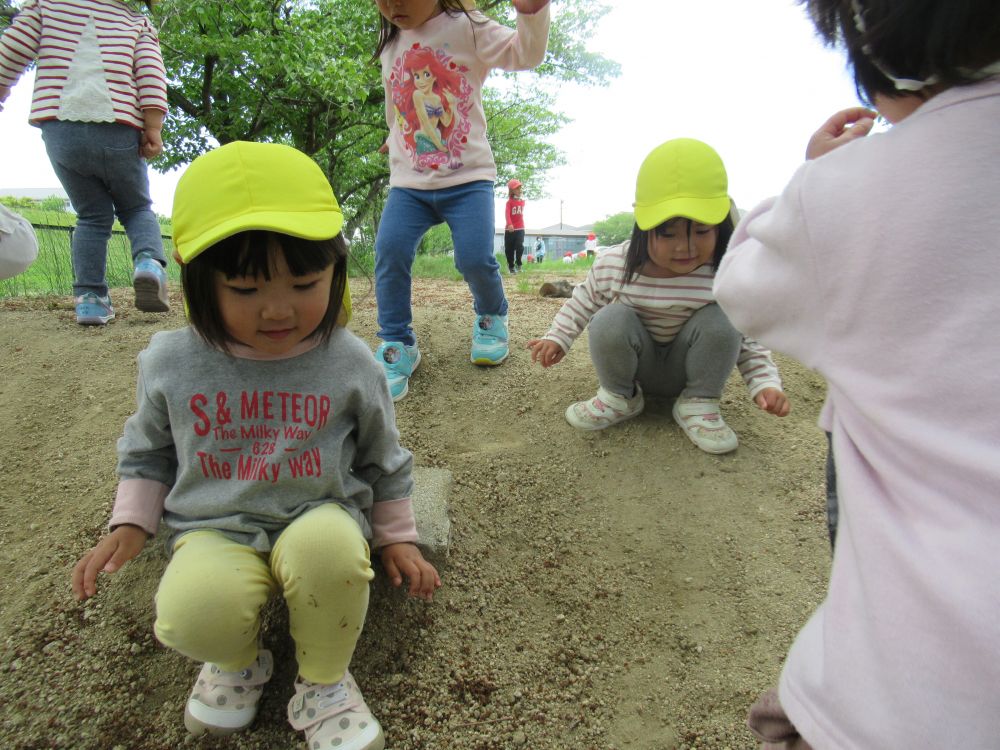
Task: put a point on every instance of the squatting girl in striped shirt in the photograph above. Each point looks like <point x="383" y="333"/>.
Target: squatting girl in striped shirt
<point x="665" y="335"/>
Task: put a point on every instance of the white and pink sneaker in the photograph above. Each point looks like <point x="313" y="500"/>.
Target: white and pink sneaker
<point x="226" y="702"/>
<point x="703" y="424"/>
<point x="604" y="409"/>
<point x="334" y="716"/>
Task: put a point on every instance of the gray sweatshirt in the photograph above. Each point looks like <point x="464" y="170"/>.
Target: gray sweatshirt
<point x="246" y="446"/>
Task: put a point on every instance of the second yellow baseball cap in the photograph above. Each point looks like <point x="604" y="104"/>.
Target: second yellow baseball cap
<point x="681" y="177"/>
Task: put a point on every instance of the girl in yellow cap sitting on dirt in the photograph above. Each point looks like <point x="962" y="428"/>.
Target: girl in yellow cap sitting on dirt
<point x="666" y="336"/>
<point x="265" y="440"/>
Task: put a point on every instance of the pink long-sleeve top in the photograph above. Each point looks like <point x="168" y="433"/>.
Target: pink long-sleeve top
<point x="433" y="78"/>
<point x="878" y="267"/>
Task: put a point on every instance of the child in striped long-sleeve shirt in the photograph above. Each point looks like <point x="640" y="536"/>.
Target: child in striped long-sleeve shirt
<point x="100" y="98"/>
<point x="654" y="325"/>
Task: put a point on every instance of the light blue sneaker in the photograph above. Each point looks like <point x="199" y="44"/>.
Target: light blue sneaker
<point x="92" y="310"/>
<point x="399" y="362"/>
<point x="149" y="279"/>
<point x="489" y="340"/>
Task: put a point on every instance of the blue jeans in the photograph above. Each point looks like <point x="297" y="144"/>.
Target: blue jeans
<point x="99" y="166"/>
<point x="696" y="363"/>
<point x="408" y="214"/>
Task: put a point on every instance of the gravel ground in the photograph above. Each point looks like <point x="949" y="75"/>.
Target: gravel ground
<point x="618" y="589"/>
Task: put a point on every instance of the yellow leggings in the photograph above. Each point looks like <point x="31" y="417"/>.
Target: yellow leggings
<point x="209" y="599"/>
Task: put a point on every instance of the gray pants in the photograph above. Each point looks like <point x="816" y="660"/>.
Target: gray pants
<point x="695" y="364"/>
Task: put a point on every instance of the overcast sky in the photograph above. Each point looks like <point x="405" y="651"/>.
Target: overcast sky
<point x="749" y="78"/>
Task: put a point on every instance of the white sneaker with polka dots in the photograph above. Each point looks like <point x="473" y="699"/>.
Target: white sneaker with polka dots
<point x="334" y="716"/>
<point x="226" y="702"/>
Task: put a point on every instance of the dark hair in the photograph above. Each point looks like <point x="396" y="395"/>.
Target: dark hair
<point x="946" y="42"/>
<point x="252" y="253"/>
<point x="389" y="31"/>
<point x="638" y="246"/>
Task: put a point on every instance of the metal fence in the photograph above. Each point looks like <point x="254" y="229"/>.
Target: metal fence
<point x="52" y="271"/>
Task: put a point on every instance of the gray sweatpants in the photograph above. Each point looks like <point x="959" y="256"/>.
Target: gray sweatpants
<point x="695" y="364"/>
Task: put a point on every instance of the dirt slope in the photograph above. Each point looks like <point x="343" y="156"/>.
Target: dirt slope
<point x="610" y="590"/>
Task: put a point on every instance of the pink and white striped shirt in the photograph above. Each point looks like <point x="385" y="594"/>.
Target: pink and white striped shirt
<point x="663" y="306"/>
<point x="97" y="61"/>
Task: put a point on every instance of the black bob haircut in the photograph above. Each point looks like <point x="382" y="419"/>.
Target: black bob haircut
<point x="251" y="253"/>
<point x="638" y="246"/>
<point x="949" y="40"/>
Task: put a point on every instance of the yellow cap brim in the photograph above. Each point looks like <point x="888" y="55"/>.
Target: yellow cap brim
<point x="308" y="225"/>
<point x="702" y="210"/>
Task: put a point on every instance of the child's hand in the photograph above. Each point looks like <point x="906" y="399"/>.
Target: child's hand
<point x="774" y="401"/>
<point x="529" y="6"/>
<point x="152" y="143"/>
<point x="404" y="560"/>
<point x="843" y="127"/>
<point x="384" y="148"/>
<point x="545" y="351"/>
<point x="113" y="551"/>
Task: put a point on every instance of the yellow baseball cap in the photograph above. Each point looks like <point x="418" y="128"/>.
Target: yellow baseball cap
<point x="243" y="186"/>
<point x="682" y="177"/>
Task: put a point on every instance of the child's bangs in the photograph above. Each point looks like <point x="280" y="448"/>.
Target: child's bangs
<point x="253" y="254"/>
<point x="309" y="256"/>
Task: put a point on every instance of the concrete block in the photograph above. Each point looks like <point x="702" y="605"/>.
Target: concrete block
<point x="431" y="490"/>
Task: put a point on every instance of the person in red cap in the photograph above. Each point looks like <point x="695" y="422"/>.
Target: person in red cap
<point x="513" y="236"/>
<point x="590" y="246"/>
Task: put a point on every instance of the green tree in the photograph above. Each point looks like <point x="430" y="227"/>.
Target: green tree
<point x="7" y="11"/>
<point x="614" y="229"/>
<point x="300" y="72"/>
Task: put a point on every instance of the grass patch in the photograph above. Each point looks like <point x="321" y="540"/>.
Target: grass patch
<point x="533" y="275"/>
<point x="436" y="267"/>
<point x="52" y="271"/>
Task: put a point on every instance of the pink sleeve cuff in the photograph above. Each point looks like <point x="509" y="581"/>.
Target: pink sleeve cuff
<point x="139" y="502"/>
<point x="393" y="522"/>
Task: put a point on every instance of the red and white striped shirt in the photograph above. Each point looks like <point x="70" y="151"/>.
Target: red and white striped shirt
<point x="663" y="306"/>
<point x="97" y="61"/>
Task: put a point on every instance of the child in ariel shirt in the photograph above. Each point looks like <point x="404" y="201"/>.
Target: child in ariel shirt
<point x="435" y="57"/>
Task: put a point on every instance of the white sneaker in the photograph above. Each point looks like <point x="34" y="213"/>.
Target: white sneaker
<point x="604" y="409"/>
<point x="703" y="424"/>
<point x="226" y="702"/>
<point x="334" y="716"/>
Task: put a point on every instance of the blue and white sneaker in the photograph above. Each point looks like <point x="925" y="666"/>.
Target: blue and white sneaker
<point x="149" y="279"/>
<point x="92" y="310"/>
<point x="399" y="362"/>
<point x="489" y="340"/>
